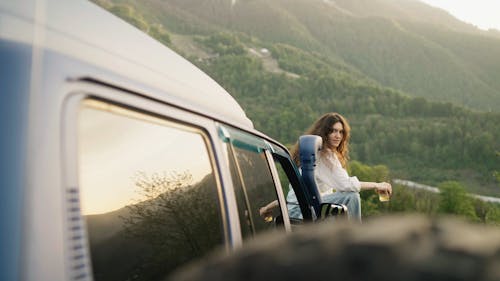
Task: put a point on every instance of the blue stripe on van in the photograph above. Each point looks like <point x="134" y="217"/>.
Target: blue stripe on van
<point x="15" y="64"/>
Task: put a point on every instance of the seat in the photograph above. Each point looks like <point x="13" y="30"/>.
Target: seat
<point x="309" y="147"/>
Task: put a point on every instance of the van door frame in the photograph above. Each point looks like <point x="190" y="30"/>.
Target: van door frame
<point x="80" y="90"/>
<point x="268" y="149"/>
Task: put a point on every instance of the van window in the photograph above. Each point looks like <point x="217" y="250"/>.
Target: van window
<point x="242" y="201"/>
<point x="149" y="194"/>
<point x="254" y="184"/>
<point x="259" y="190"/>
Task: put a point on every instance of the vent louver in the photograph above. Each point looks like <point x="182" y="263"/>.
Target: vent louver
<point x="78" y="263"/>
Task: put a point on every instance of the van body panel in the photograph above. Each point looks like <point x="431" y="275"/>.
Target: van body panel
<point x="57" y="54"/>
<point x="118" y="48"/>
<point x="14" y="73"/>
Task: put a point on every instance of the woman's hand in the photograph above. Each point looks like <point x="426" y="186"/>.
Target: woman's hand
<point x="266" y="212"/>
<point x="384" y="187"/>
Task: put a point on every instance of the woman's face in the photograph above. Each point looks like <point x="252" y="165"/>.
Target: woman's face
<point x="336" y="136"/>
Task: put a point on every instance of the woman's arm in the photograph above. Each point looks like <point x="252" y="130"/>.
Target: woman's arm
<point x="378" y="186"/>
<point x="268" y="209"/>
<point x="330" y="173"/>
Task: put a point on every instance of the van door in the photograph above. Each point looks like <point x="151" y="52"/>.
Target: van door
<point x="298" y="206"/>
<point x="143" y="191"/>
<point x="256" y="182"/>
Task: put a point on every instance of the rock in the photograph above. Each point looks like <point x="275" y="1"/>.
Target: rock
<point x="383" y="249"/>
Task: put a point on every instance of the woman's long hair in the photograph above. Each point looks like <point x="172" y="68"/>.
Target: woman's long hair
<point x="323" y="127"/>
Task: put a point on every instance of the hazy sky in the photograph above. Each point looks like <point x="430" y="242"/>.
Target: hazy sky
<point x="484" y="14"/>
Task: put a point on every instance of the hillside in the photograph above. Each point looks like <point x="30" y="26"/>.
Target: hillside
<point x="405" y="44"/>
<point x="286" y="88"/>
<point x="149" y="238"/>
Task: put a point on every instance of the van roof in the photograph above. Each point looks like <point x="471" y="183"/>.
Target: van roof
<point x="86" y="32"/>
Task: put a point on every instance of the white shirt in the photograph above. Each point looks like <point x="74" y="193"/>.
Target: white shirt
<point x="330" y="175"/>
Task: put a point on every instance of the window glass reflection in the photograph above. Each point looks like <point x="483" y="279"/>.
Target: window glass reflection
<point x="148" y="193"/>
<point x="241" y="198"/>
<point x="258" y="190"/>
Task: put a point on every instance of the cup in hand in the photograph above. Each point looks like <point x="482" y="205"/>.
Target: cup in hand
<point x="384" y="196"/>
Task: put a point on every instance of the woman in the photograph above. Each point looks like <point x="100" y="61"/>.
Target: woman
<point x="334" y="184"/>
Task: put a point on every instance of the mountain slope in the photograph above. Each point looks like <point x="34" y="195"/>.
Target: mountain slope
<point x="417" y="139"/>
<point x="405" y="44"/>
<point x="407" y="10"/>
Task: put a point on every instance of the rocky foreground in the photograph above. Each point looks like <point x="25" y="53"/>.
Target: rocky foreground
<point x="388" y="248"/>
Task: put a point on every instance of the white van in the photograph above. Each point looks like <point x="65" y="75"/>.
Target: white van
<point x="120" y="160"/>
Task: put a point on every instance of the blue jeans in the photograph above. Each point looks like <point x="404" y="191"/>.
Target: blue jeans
<point x="350" y="199"/>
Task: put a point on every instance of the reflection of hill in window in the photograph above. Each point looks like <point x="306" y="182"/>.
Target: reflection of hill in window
<point x="257" y="177"/>
<point x="175" y="222"/>
<point x="254" y="168"/>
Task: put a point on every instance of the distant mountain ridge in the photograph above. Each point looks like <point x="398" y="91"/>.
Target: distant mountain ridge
<point x="402" y="44"/>
<point x="407" y="10"/>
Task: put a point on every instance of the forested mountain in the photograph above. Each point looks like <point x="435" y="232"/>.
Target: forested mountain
<point x="403" y="44"/>
<point x="393" y="69"/>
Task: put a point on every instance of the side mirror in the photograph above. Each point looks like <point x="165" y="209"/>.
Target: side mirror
<point x="332" y="210"/>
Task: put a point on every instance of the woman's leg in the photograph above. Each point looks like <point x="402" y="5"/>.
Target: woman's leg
<point x="350" y="199"/>
<point x="294" y="211"/>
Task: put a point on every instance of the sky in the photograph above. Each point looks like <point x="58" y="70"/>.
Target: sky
<point x="484" y="14"/>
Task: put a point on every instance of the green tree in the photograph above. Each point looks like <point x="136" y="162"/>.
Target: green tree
<point x="129" y="14"/>
<point x="160" y="34"/>
<point x="454" y="200"/>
